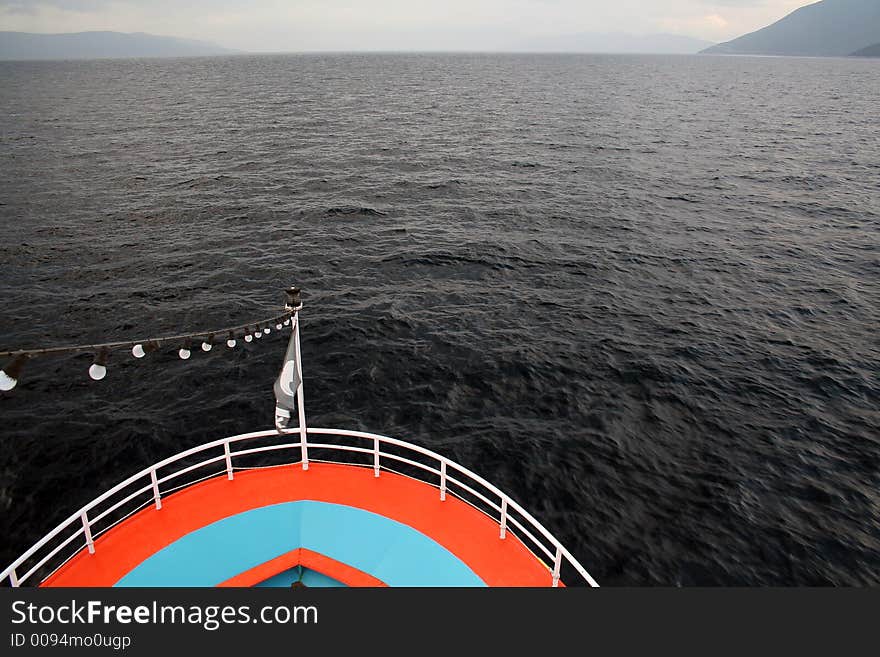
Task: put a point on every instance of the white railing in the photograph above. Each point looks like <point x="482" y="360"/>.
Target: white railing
<point x="84" y="524"/>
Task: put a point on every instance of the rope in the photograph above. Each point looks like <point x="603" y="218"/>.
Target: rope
<point x="11" y="371"/>
<point x="221" y="333"/>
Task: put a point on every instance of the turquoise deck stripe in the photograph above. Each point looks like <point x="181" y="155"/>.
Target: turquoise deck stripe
<point x="384" y="548"/>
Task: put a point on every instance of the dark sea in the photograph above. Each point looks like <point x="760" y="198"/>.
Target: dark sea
<point x="640" y="294"/>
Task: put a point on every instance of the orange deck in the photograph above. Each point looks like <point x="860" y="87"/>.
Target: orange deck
<point x="462" y="530"/>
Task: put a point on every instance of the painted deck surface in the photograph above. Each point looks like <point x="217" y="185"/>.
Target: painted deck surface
<point x="386" y="549"/>
<point x="467" y="540"/>
<point x="309" y="578"/>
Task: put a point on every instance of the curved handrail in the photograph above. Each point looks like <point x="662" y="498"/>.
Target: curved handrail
<point x="81" y="524"/>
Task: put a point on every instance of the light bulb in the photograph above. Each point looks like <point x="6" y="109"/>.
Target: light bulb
<point x="278" y="327"/>
<point x="7" y="383"/>
<point x="267" y="330"/>
<point x="248" y="338"/>
<point x="258" y="334"/>
<point x="287" y="322"/>
<point x="207" y="346"/>
<point x="97" y="372"/>
<point x="230" y="343"/>
<point x="11" y="373"/>
<point x="184" y="353"/>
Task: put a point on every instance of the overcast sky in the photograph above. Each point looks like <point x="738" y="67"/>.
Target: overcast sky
<point x="296" y="25"/>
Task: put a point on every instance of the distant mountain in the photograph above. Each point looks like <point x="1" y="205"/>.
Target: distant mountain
<point x="830" y="28"/>
<point x="95" y="45"/>
<point x="616" y="43"/>
<point x="870" y="51"/>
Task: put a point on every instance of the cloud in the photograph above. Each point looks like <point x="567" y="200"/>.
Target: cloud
<point x="710" y="25"/>
<point x="32" y="6"/>
<point x="737" y="3"/>
<point x="715" y="21"/>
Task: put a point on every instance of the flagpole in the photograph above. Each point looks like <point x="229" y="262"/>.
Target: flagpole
<point x="295" y="304"/>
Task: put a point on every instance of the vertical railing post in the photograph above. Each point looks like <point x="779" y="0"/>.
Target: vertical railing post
<point x="300" y="398"/>
<point x="229" y="474"/>
<point x="157" y="496"/>
<point x="375" y="457"/>
<point x="88" y="532"/>
<point x="442" y="481"/>
<point x="13" y="579"/>
<point x="557" y="565"/>
<point x="504" y="518"/>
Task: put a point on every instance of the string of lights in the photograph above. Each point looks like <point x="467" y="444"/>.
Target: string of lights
<point x="11" y="372"/>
